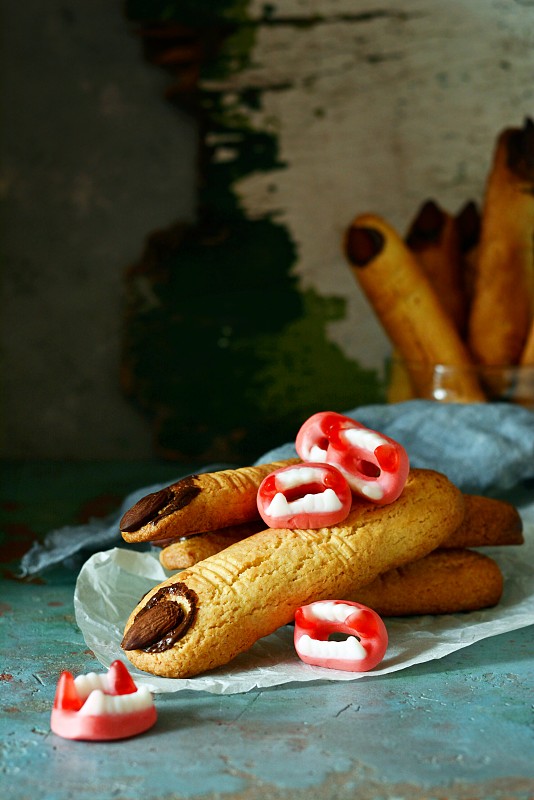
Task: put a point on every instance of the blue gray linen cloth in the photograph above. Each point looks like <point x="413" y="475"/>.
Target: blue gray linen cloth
<point x="482" y="448"/>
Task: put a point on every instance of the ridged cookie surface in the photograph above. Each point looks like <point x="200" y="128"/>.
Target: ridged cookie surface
<point x="443" y="582"/>
<point x="190" y="550"/>
<point x="488" y="522"/>
<point x="198" y="503"/>
<point x="205" y="616"/>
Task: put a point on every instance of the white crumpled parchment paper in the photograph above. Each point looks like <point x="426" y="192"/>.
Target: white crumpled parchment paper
<point x="111" y="583"/>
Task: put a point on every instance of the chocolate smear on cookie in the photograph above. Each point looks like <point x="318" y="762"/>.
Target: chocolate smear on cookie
<point x="163" y="621"/>
<point x="160" y="504"/>
<point x="144" y="510"/>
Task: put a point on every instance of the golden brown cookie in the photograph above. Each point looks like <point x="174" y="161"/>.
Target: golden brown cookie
<point x="487" y="522"/>
<point x="443" y="582"/>
<point x="198" y="503"/>
<point x="503" y="302"/>
<point x="190" y="550"/>
<point x="230" y="600"/>
<point x="408" y="308"/>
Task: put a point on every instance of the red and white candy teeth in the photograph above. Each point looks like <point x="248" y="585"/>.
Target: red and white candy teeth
<point x="304" y="496"/>
<point x="365" y="636"/>
<point x="375" y="466"/>
<point x="101" y="707"/>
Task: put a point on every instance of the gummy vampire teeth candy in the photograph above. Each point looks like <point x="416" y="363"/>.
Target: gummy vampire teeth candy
<point x="363" y="647"/>
<point x="304" y="496"/>
<point x="101" y="707"/>
<point x="375" y="466"/>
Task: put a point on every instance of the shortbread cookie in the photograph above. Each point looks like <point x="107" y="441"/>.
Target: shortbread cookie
<point x="190" y="550"/>
<point x="205" y="616"/>
<point x="443" y="582"/>
<point x="488" y="522"/>
<point x="198" y="503"/>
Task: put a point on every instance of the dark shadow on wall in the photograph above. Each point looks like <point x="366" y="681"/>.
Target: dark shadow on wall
<point x="222" y="349"/>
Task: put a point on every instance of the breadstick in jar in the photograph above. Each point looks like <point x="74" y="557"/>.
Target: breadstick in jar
<point x="434" y="239"/>
<point x="524" y="386"/>
<point x="399" y="386"/>
<point x="468" y="226"/>
<point x="503" y="302"/>
<point x="408" y="308"/>
<point x="527" y="356"/>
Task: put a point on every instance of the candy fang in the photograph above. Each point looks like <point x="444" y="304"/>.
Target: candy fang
<point x="67" y="698"/>
<point x="101" y="707"/>
<point x="304" y="496"/>
<point x="375" y="466"/>
<point x="363" y="647"/>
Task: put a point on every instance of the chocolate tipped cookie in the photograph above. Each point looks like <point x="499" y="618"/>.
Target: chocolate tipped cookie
<point x="198" y="503"/>
<point x="253" y="587"/>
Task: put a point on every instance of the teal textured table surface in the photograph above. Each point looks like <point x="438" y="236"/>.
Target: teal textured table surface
<point x="461" y="727"/>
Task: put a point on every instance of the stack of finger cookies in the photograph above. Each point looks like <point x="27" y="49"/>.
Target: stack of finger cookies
<point x="458" y="289"/>
<point x="238" y="581"/>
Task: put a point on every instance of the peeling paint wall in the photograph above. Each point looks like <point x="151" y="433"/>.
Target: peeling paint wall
<point x="377" y="107"/>
<point x="372" y="107"/>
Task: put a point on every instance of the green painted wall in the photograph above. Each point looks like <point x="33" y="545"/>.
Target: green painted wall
<point x="222" y="348"/>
